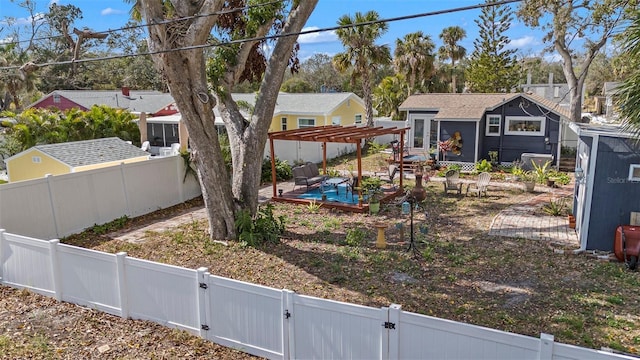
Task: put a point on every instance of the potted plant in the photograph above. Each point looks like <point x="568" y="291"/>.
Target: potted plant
<point x="372" y="187"/>
<point x="529" y="179"/>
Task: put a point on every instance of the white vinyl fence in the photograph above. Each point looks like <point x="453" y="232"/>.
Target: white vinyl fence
<point x="66" y="204"/>
<point x="277" y="324"/>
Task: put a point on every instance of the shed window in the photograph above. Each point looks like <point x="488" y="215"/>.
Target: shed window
<point x="306" y="123"/>
<point x="36" y="159"/>
<point x="358" y="119"/>
<point x="493" y="125"/>
<point x="524" y="125"/>
<point x="56" y="98"/>
<point x="634" y="172"/>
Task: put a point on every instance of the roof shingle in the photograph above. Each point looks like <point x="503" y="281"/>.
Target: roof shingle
<point x="90" y="152"/>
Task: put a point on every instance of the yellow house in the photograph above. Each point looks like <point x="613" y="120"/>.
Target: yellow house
<point x="300" y="110"/>
<point x="292" y="111"/>
<point x="64" y="158"/>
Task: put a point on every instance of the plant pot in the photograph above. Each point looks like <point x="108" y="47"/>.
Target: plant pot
<point x="374" y="208"/>
<point x="572" y="221"/>
<point x="529" y="186"/>
<point x="550" y="182"/>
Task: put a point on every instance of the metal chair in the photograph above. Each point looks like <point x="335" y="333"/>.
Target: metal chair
<point x="388" y="176"/>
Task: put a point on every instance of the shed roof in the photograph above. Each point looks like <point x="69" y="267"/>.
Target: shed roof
<point x="470" y="105"/>
<point x="90" y="152"/>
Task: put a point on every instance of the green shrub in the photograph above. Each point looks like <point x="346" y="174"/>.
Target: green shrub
<point x="541" y="171"/>
<point x="484" y="166"/>
<point x="283" y="170"/>
<point x="559" y="177"/>
<point x="555" y="207"/>
<point x="456" y="167"/>
<point x="356" y="237"/>
<point x="261" y="228"/>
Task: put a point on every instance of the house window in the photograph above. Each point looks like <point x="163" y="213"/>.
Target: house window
<point x="634" y="172"/>
<point x="306" y="123"/>
<point x="493" y="125"/>
<point x="524" y="125"/>
<point x="358" y="119"/>
<point x="56" y="98"/>
<point x="36" y="159"/>
<point x="283" y="123"/>
<point x="335" y="120"/>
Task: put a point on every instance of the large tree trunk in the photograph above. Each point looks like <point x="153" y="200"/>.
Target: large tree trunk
<point x="186" y="76"/>
<point x="248" y="137"/>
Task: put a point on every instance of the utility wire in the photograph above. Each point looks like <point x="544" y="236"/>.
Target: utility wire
<point x="164" y="22"/>
<point x="270" y="37"/>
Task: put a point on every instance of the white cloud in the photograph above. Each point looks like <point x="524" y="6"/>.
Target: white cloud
<point x="552" y="57"/>
<point x="523" y="42"/>
<point x="317" y="37"/>
<point x="112" y="11"/>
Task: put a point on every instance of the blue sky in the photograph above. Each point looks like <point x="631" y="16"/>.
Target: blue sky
<point x="104" y="15"/>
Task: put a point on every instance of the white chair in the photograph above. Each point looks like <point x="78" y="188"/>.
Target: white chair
<point x="175" y="149"/>
<point x="481" y="185"/>
<point x="146" y="146"/>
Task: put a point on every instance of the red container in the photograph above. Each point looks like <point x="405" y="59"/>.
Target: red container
<point x="627" y="236"/>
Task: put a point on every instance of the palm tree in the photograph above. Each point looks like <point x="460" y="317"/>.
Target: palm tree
<point x="16" y="82"/>
<point x="414" y="57"/>
<point x="362" y="55"/>
<point x="628" y="95"/>
<point x="451" y="49"/>
<point x="389" y="94"/>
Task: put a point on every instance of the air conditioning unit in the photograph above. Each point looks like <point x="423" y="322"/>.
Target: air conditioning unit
<point x="528" y="159"/>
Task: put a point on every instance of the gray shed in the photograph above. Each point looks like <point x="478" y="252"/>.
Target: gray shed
<point x="607" y="190"/>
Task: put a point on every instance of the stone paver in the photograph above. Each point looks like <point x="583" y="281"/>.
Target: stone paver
<point x="524" y="221"/>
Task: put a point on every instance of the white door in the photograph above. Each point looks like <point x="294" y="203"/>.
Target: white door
<point x="583" y="163"/>
<point x="421" y="129"/>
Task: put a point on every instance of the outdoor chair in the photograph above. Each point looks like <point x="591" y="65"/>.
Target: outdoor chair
<point x="452" y="182"/>
<point x="307" y="175"/>
<point x="389" y="175"/>
<point x="481" y="185"/>
<point x="145" y="146"/>
<point x="352" y="185"/>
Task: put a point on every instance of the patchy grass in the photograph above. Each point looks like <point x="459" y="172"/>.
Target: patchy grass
<point x="458" y="272"/>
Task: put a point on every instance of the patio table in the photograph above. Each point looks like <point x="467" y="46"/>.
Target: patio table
<point x="335" y="181"/>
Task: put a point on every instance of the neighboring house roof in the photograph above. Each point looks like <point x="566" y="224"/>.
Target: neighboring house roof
<point x="470" y="106"/>
<point x="304" y="103"/>
<point x="89" y="152"/>
<point x="549" y="92"/>
<point x="148" y="101"/>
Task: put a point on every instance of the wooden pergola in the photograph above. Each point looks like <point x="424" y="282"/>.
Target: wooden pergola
<point x="336" y="134"/>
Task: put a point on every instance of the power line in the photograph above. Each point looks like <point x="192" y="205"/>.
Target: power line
<point x="271" y="37"/>
<point x="164" y="22"/>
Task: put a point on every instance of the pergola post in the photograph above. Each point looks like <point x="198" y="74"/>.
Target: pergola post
<point x="273" y="166"/>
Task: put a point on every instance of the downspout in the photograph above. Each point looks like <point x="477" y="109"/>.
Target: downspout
<point x="503" y="123"/>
